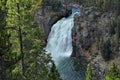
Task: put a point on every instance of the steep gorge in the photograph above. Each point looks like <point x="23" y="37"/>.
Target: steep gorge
<point x="94" y="38"/>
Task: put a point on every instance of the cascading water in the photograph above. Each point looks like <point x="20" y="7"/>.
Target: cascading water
<point x="60" y="47"/>
<point x="59" y="41"/>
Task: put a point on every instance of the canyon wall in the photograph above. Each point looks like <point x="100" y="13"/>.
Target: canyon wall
<point x="95" y="40"/>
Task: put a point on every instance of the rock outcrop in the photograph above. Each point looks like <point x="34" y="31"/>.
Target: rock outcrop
<point x="94" y="40"/>
<point x="47" y="18"/>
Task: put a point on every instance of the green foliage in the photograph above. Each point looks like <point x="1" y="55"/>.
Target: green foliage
<point x="7" y="58"/>
<point x="113" y="73"/>
<point x="33" y="41"/>
<point x="103" y="5"/>
<point x="88" y="73"/>
<point x="15" y="15"/>
<point x="53" y="75"/>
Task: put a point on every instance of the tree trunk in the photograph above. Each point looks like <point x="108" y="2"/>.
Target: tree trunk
<point x="21" y="50"/>
<point x="21" y="44"/>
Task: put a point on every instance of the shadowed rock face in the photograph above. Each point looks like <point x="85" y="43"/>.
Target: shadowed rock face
<point x="50" y="17"/>
<point x="90" y="26"/>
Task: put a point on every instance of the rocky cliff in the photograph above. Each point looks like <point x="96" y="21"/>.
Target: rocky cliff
<point x="95" y="40"/>
<point x="47" y="16"/>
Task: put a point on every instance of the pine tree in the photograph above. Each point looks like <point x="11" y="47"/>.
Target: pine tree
<point x="7" y="57"/>
<point x="88" y="73"/>
<point x="34" y="60"/>
<point x="4" y="43"/>
<point x="16" y="19"/>
<point x="19" y="18"/>
<point x="54" y="75"/>
<point x="113" y="73"/>
<point x="21" y="38"/>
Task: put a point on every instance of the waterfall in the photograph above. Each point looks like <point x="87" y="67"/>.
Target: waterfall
<point x="59" y="45"/>
<point x="59" y="40"/>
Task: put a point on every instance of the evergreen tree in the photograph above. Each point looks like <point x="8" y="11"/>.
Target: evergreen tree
<point x="28" y="41"/>
<point x="7" y="57"/>
<point x="4" y="41"/>
<point x="5" y="51"/>
<point x="88" y="73"/>
<point x="113" y="73"/>
<point x="54" y="75"/>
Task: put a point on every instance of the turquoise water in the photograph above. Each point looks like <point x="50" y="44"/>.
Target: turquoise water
<point x="71" y="69"/>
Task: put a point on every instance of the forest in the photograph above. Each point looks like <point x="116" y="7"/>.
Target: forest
<point x="21" y="43"/>
<point x="22" y="39"/>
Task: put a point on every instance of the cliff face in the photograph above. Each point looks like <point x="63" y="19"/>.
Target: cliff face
<point x="46" y="16"/>
<point x="95" y="40"/>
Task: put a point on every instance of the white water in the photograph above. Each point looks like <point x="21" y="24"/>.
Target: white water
<point x="59" y="41"/>
<point x="59" y="45"/>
